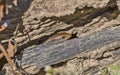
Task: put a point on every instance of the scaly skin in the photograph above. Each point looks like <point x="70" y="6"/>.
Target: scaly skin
<point x="59" y="37"/>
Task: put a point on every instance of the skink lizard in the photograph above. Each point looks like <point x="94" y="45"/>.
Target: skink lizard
<point x="59" y="37"/>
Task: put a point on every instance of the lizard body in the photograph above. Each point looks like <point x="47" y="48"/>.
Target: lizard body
<point x="59" y="37"/>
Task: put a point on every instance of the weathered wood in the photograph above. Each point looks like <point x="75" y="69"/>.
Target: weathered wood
<point x="34" y="27"/>
<point x="46" y="18"/>
<point x="48" y="54"/>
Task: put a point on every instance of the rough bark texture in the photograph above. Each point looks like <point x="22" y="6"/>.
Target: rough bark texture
<point x="37" y="18"/>
<point x="95" y="24"/>
<point x="105" y="41"/>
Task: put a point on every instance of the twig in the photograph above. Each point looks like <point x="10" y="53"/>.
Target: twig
<point x="7" y="57"/>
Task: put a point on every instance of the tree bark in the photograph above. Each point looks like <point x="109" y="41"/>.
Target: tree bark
<point x="95" y="24"/>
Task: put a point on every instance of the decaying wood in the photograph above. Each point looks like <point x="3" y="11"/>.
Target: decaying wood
<point x="49" y="54"/>
<point x="34" y="28"/>
<point x="41" y="19"/>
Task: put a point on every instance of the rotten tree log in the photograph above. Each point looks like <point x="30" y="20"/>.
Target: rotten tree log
<point x="40" y="19"/>
<point x="33" y="59"/>
<point x="36" y="26"/>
